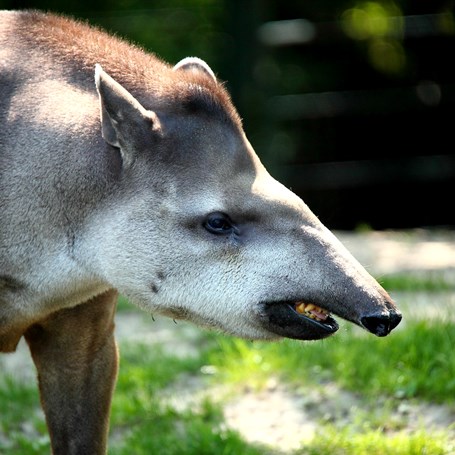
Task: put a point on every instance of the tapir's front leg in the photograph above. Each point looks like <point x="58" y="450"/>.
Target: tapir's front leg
<point x="75" y="354"/>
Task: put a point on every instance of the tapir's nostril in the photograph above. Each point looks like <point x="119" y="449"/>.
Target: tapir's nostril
<point x="395" y="319"/>
<point x="381" y="325"/>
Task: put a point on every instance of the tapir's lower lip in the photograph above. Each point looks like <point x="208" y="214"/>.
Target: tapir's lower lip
<point x="287" y="320"/>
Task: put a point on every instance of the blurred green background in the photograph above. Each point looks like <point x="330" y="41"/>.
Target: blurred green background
<point x="350" y="103"/>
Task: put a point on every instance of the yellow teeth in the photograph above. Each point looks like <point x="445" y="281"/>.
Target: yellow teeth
<point x="311" y="311"/>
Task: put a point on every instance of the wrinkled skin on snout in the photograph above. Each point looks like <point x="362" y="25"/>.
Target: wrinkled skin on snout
<point x="209" y="236"/>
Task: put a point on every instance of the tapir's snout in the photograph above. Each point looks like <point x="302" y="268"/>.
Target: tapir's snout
<point x="285" y="319"/>
<point x="334" y="284"/>
<point x="381" y="324"/>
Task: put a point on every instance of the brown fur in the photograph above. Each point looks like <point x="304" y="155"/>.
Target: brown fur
<point x="82" y="46"/>
<point x="75" y="354"/>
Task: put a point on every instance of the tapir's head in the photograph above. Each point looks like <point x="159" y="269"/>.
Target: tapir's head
<point x="200" y="231"/>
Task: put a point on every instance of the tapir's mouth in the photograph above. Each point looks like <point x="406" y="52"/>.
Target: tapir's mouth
<point x="311" y="311"/>
<point x="299" y="320"/>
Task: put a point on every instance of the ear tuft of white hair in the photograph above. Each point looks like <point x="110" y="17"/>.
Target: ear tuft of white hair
<point x="194" y="64"/>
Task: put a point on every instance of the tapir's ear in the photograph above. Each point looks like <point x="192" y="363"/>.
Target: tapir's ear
<point x="123" y="119"/>
<point x="195" y="64"/>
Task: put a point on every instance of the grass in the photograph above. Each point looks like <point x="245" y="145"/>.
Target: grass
<point x="413" y="363"/>
<point x="430" y="282"/>
<point x="395" y="368"/>
<point x="156" y="411"/>
<point x="332" y="441"/>
<point x="22" y="429"/>
<point x="164" y="431"/>
<point x="151" y="426"/>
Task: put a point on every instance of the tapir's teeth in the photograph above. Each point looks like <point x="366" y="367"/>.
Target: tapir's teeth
<point x="300" y="308"/>
<point x="311" y="311"/>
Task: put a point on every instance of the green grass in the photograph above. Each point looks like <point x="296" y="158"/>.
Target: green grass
<point x="413" y="362"/>
<point x="333" y="441"/>
<point x="164" y="431"/>
<point x="430" y="282"/>
<point x="124" y="305"/>
<point x="22" y="428"/>
<point x="394" y="368"/>
<point x="149" y="426"/>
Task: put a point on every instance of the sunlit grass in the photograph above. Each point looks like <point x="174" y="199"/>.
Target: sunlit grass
<point x="413" y="362"/>
<point x="165" y="431"/>
<point x="333" y="441"/>
<point x="149" y="426"/>
<point x="390" y="369"/>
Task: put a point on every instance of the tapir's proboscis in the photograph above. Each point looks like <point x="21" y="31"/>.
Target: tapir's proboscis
<point x="121" y="173"/>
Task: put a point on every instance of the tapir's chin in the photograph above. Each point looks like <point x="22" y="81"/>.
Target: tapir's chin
<point x="293" y="320"/>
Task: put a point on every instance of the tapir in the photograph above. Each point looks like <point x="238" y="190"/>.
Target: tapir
<point x="122" y="174"/>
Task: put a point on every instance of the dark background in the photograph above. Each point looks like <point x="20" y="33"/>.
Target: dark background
<point x="349" y="103"/>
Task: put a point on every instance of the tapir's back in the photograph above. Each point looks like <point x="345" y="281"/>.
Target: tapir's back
<point x="45" y="44"/>
<point x="51" y="46"/>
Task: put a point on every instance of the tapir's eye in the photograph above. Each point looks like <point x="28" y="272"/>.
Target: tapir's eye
<point x="218" y="223"/>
